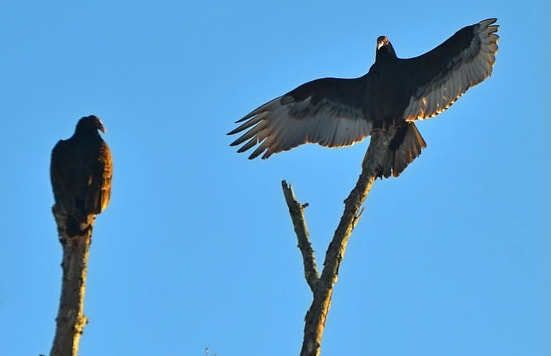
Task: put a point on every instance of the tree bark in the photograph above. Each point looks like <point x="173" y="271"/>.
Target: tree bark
<point x="70" y="318"/>
<point x="322" y="286"/>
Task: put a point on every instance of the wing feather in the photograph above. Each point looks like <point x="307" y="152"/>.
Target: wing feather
<point x="316" y="112"/>
<point x="445" y="73"/>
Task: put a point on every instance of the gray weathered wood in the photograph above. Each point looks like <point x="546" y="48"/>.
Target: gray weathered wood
<point x="322" y="286"/>
<point x="70" y="318"/>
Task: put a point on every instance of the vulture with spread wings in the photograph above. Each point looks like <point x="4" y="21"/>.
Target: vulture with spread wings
<point x="395" y="92"/>
<point x="81" y="170"/>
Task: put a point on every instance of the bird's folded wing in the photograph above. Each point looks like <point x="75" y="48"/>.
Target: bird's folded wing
<point x="319" y="112"/>
<point x="61" y="177"/>
<point x="442" y="75"/>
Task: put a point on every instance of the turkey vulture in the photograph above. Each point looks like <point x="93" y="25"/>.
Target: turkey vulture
<point x="81" y="170"/>
<point x="395" y="92"/>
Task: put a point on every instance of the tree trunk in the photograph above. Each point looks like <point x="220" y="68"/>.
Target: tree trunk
<point x="70" y="318"/>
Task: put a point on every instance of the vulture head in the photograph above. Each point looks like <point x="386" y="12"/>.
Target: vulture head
<point x="88" y="124"/>
<point x="384" y="47"/>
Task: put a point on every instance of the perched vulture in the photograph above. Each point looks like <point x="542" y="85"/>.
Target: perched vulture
<point x="81" y="170"/>
<point x="395" y="92"/>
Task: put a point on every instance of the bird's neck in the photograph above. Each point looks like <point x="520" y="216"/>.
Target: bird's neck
<point x="387" y="54"/>
<point x="81" y="134"/>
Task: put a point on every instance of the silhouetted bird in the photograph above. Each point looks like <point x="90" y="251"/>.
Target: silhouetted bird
<point x="81" y="170"/>
<point x="395" y="92"/>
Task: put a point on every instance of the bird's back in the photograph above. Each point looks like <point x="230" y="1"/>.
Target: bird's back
<point x="81" y="170"/>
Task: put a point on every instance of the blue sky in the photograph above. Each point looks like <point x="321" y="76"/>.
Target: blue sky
<point x="197" y="249"/>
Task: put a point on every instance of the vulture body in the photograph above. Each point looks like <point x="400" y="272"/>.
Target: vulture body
<point x="395" y="93"/>
<point x="81" y="170"/>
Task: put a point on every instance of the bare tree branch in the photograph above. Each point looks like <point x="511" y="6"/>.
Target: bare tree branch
<point x="322" y="287"/>
<point x="296" y="210"/>
<point x="70" y="318"/>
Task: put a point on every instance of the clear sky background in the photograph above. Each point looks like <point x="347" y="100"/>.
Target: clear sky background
<point x="197" y="249"/>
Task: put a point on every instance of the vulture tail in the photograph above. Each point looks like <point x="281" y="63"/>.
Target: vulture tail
<point x="78" y="225"/>
<point x="403" y="149"/>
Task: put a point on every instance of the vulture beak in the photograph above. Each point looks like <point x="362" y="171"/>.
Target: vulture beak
<point x="101" y="127"/>
<point x="381" y="42"/>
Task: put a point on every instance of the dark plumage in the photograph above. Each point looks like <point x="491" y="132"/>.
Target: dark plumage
<point x="81" y="170"/>
<point x="395" y="92"/>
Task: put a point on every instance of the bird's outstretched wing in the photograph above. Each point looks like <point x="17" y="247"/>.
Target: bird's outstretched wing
<point x="325" y="111"/>
<point x="441" y="76"/>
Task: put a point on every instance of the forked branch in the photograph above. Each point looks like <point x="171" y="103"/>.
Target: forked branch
<point x="322" y="286"/>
